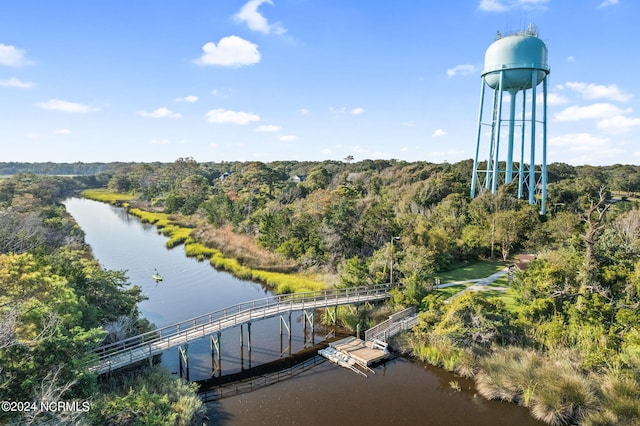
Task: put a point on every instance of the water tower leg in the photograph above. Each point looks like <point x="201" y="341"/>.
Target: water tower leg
<point x="498" y="124"/>
<point x="522" y="135"/>
<point x="487" y="180"/>
<point x="474" y="177"/>
<point x="532" y="166"/>
<point x="512" y="115"/>
<point x="543" y="209"/>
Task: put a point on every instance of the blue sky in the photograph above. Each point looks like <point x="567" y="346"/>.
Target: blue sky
<point x="265" y="80"/>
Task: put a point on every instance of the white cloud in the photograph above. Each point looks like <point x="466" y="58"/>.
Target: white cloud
<point x="607" y="3"/>
<point x="11" y="56"/>
<point x="303" y="111"/>
<point x="160" y="113"/>
<point x="190" y="99"/>
<point x="59" y="105"/>
<point x="578" y="142"/>
<point x="343" y="110"/>
<point x="463" y="69"/>
<point x="596" y="111"/>
<point x="288" y="138"/>
<point x="267" y="128"/>
<point x="438" y="133"/>
<point x="492" y="6"/>
<point x="14" y="82"/>
<point x="505" y="5"/>
<point x="231" y="51"/>
<point x="222" y="116"/>
<point x="618" y="124"/>
<point x="552" y="99"/>
<point x="326" y="151"/>
<point x="255" y="21"/>
<point x="63" y="132"/>
<point x="584" y="148"/>
<point x="380" y="154"/>
<point x="597" y="91"/>
<point x="571" y="58"/>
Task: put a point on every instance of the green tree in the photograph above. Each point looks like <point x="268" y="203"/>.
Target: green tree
<point x="353" y="272"/>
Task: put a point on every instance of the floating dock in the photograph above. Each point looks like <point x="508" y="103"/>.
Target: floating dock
<point x="356" y="354"/>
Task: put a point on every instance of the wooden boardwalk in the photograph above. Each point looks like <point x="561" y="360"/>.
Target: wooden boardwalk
<point x="138" y="348"/>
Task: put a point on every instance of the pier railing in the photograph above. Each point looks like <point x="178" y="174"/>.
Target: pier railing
<point x="146" y="345"/>
<point x="400" y="321"/>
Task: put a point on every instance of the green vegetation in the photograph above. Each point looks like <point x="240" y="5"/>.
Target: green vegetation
<point x="101" y="194"/>
<point x="56" y="304"/>
<point x="168" y="224"/>
<point x="470" y="271"/>
<point x="150" y="397"/>
<point x="562" y="340"/>
<point x="446" y="292"/>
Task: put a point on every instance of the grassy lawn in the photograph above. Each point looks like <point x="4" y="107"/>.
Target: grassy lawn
<point x="469" y="271"/>
<point x="447" y="292"/>
<point x="506" y="296"/>
<point x="480" y="269"/>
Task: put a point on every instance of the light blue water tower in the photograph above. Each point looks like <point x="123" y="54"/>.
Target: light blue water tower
<point x="514" y="63"/>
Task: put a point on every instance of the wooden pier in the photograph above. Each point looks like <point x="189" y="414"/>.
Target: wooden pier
<point x="356" y="354"/>
<point x="144" y="346"/>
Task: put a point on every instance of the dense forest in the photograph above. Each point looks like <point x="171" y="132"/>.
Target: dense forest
<point x="566" y="345"/>
<point x="61" y="169"/>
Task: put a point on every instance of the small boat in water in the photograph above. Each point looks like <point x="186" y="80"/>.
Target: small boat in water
<point x="157" y="277"/>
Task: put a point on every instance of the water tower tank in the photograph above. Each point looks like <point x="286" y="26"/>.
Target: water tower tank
<point x="515" y="65"/>
<point x="517" y="54"/>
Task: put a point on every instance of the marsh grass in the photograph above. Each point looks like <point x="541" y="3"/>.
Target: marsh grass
<point x="166" y="224"/>
<point x="564" y="395"/>
<point x="508" y="374"/>
<point x="552" y="386"/>
<point x="243" y="248"/>
<point x="621" y="406"/>
<point x="441" y="353"/>
<point x="279" y="282"/>
<point x="241" y="257"/>
<point x="106" y="196"/>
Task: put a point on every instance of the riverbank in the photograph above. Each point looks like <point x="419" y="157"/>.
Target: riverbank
<point x="204" y="243"/>
<point x="165" y="220"/>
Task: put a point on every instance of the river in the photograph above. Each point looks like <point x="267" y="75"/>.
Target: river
<point x="401" y="392"/>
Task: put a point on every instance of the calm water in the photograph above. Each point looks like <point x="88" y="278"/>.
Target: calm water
<point x="402" y="392"/>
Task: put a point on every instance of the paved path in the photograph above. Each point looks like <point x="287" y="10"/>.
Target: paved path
<point x="479" y="284"/>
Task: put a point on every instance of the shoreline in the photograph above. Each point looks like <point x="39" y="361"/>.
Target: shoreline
<point x="180" y="233"/>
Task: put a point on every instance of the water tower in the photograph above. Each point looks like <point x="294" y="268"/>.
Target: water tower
<point x="513" y="64"/>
